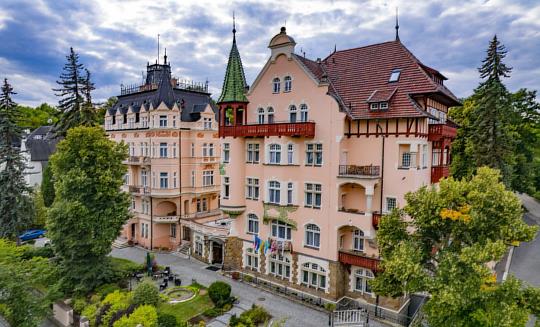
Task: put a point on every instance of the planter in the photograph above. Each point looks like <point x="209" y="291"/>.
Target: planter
<point x="235" y="275"/>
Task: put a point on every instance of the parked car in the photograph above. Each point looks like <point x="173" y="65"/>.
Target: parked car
<point x="32" y="234"/>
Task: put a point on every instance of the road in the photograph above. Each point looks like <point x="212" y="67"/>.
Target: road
<point x="279" y="307"/>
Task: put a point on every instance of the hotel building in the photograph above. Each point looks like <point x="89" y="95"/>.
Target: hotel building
<point x="316" y="151"/>
<point x="171" y="129"/>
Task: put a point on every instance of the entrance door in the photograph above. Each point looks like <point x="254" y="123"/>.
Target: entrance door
<point x="186" y="233"/>
<point x="217" y="253"/>
<point x="132" y="231"/>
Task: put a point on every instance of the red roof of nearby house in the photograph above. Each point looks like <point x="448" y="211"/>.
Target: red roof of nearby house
<point x="361" y="75"/>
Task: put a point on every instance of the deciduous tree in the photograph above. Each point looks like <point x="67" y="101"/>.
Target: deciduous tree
<point x="442" y="241"/>
<point x="89" y="208"/>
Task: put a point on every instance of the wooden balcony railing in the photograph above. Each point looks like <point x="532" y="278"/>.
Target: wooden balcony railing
<point x="359" y="259"/>
<point x="439" y="172"/>
<point x="358" y="171"/>
<point x="439" y="131"/>
<point x="306" y="129"/>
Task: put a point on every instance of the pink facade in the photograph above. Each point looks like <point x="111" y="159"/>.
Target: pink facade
<point x="320" y="192"/>
<point x="173" y="164"/>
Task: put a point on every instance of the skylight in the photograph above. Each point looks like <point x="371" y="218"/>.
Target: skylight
<point x="394" y="76"/>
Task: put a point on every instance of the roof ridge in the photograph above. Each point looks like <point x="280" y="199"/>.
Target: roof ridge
<point x="361" y="47"/>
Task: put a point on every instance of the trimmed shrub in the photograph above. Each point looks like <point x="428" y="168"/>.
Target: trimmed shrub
<point x="213" y="312"/>
<point x="90" y="312"/>
<point x="145" y="315"/>
<point x="146" y="293"/>
<point x="79" y="304"/>
<point x="106" y="289"/>
<point x="219" y="293"/>
<point x="250" y="318"/>
<point x="167" y="320"/>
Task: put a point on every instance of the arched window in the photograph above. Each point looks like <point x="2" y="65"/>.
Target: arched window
<point x="288" y="84"/>
<point x="313" y="275"/>
<point x="275" y="154"/>
<point x="253" y="224"/>
<point x="292" y="113"/>
<point x="260" y="114"/>
<point x="361" y="280"/>
<point x="270" y="112"/>
<point x="313" y="235"/>
<point x="274" y="192"/>
<point x="303" y="112"/>
<point x="358" y="240"/>
<point x="276" y="85"/>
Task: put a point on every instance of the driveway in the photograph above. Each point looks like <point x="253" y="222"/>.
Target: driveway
<point x="279" y="307"/>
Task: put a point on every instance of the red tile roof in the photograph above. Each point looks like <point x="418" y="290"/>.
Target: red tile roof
<point x="357" y="74"/>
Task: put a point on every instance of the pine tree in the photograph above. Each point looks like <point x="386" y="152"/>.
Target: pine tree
<point x="75" y="89"/>
<point x="491" y="138"/>
<point x="15" y="201"/>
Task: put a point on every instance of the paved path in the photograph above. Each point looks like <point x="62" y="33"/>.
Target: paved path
<point x="279" y="307"/>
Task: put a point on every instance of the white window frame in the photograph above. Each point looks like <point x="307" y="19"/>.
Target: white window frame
<point x="274" y="192"/>
<point x="252" y="259"/>
<point x="304" y="112"/>
<point x="312" y="236"/>
<point x="164" y="180"/>
<point x="163" y="121"/>
<point x="276" y="85"/>
<point x="374" y="106"/>
<point x="208" y="177"/>
<point x="274" y="154"/>
<point x="280" y="266"/>
<point x="293" y="114"/>
<point x="314" y="154"/>
<point x="390" y="203"/>
<point x="383" y="105"/>
<point x="226" y="152"/>
<point x="270" y="115"/>
<point x="287" y="84"/>
<point x="359" y="238"/>
<point x="281" y="230"/>
<point x="253" y="153"/>
<point x="252" y="226"/>
<point x="252" y="188"/>
<point x="290" y="193"/>
<point x="226" y="187"/>
<point x="313" y="195"/>
<point x="207" y="123"/>
<point x="163" y="147"/>
<point x="260" y="115"/>
<point x="362" y="276"/>
<point x="313" y="275"/>
<point x="290" y="154"/>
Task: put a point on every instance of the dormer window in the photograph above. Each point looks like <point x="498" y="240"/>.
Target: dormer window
<point x="394" y="76"/>
<point x="383" y="105"/>
<point x="276" y="85"/>
<point x="374" y="106"/>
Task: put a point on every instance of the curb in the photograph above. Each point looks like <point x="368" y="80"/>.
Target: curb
<point x="508" y="262"/>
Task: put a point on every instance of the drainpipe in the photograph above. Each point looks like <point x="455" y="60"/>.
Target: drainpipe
<point x="382" y="167"/>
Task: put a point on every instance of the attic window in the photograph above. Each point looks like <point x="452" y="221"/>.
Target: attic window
<point x="374" y="106"/>
<point x="394" y="76"/>
<point x="383" y="105"/>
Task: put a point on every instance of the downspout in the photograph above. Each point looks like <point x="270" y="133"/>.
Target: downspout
<point x="151" y="198"/>
<point x="382" y="167"/>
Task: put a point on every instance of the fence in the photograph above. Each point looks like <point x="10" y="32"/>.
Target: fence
<point x="357" y="318"/>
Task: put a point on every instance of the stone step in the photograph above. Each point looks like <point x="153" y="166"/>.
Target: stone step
<point x="120" y="243"/>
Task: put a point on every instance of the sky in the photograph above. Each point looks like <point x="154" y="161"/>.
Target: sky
<point x="116" y="38"/>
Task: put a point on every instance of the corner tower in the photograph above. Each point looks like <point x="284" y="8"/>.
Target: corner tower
<point x="233" y="101"/>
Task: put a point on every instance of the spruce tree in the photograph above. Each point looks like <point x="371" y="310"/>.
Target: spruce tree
<point x="15" y="201"/>
<point x="491" y="139"/>
<point x="75" y="89"/>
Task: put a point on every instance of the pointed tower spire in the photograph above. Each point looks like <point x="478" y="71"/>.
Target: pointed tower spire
<point x="234" y="85"/>
<point x="397" y="25"/>
<point x="233" y="27"/>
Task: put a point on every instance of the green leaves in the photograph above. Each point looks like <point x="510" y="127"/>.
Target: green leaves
<point x="89" y="209"/>
<point x="442" y="241"/>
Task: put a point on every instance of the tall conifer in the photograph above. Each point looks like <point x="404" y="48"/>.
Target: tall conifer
<point x="491" y="138"/>
<point x="75" y="89"/>
<point x="15" y="201"/>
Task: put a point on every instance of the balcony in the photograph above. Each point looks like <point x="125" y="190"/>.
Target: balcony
<point x="359" y="171"/>
<point x="359" y="259"/>
<point x="439" y="172"/>
<point x="305" y="129"/>
<point x="217" y="228"/>
<point x="165" y="219"/>
<point x="440" y="131"/>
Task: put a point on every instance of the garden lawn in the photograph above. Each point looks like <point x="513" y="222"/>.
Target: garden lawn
<point x="189" y="309"/>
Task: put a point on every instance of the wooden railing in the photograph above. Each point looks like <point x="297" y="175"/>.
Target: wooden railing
<point x="359" y="259"/>
<point x="306" y="129"/>
<point x="353" y="170"/>
<point x="439" y="172"/>
<point x="438" y="131"/>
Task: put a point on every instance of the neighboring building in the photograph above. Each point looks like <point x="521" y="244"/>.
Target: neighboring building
<point x="316" y="151"/>
<point x="173" y="176"/>
<point x="37" y="147"/>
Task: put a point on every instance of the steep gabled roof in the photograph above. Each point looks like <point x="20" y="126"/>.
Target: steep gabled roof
<point x="234" y="85"/>
<point x="357" y="76"/>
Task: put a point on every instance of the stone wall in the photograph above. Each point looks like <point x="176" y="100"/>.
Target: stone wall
<point x="233" y="254"/>
<point x="339" y="279"/>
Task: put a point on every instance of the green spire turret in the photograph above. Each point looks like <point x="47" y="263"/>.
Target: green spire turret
<point x="234" y="85"/>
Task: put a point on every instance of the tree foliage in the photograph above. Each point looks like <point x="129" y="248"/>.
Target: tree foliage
<point x="20" y="303"/>
<point x="146" y="293"/>
<point x="15" y="201"/>
<point x="32" y="118"/>
<point x="47" y="186"/>
<point x="441" y="243"/>
<point x="75" y="90"/>
<point x="498" y="129"/>
<point x="89" y="208"/>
